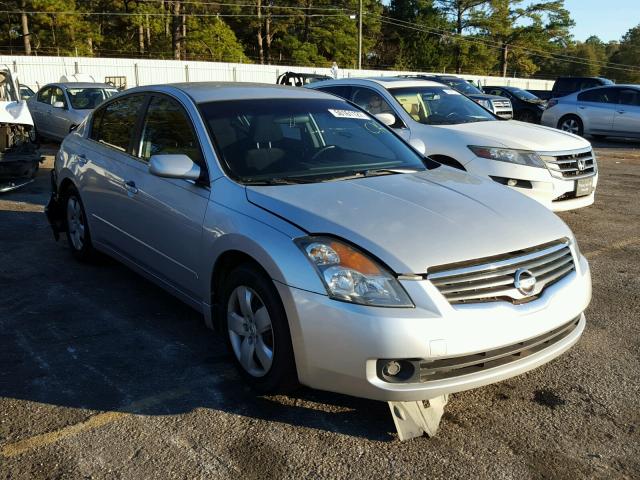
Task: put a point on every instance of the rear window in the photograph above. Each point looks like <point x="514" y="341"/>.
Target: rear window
<point x="599" y="95"/>
<point x="114" y="124"/>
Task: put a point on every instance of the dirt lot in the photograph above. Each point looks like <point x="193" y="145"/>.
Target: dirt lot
<point x="103" y="375"/>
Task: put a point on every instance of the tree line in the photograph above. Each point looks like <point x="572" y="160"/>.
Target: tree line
<point x="485" y="37"/>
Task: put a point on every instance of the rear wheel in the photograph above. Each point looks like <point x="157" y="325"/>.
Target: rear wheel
<point x="571" y="124"/>
<point x="257" y="330"/>
<point x="78" y="235"/>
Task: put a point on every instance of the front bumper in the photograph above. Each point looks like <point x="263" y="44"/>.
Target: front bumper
<point x="557" y="194"/>
<point x="337" y="345"/>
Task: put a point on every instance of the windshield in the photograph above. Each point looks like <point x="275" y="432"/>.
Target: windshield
<point x="523" y="94"/>
<point x="89" y="98"/>
<point x="461" y="86"/>
<point x="293" y="140"/>
<point x="439" y="106"/>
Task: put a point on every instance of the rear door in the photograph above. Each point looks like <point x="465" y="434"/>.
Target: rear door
<point x="626" y="119"/>
<point x="164" y="216"/>
<point x="596" y="107"/>
<point x="105" y="156"/>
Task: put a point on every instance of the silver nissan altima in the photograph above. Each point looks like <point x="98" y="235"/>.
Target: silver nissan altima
<point x="324" y="248"/>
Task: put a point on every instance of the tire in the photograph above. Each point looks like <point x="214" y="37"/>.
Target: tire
<point x="78" y="235"/>
<point x="257" y="330"/>
<point x="571" y="124"/>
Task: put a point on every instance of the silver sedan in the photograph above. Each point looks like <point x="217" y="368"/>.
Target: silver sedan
<point x="610" y="111"/>
<point x="322" y="246"/>
<point x="58" y="108"/>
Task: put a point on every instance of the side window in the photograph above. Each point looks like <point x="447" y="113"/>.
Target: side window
<point x="497" y="92"/>
<point x="96" y="121"/>
<point x="116" y="122"/>
<point x="44" y="95"/>
<point x="599" y="95"/>
<point x="167" y="129"/>
<point x="57" y="95"/>
<point x="372" y="102"/>
<point x="342" y="91"/>
<point x="629" y="97"/>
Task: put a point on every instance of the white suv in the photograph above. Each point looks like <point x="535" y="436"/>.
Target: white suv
<point x="556" y="168"/>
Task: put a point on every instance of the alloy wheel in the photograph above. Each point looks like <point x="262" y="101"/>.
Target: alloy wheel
<point x="570" y="125"/>
<point x="75" y="223"/>
<point x="250" y="331"/>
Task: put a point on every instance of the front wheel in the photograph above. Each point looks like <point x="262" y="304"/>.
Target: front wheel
<point x="571" y="124"/>
<point x="257" y="330"/>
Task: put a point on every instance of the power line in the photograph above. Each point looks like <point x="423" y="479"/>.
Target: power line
<point x="495" y="45"/>
<point x="128" y="14"/>
<point x="254" y="5"/>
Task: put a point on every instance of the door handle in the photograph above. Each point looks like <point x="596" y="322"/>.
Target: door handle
<point x="581" y="108"/>
<point x="621" y="111"/>
<point x="130" y="186"/>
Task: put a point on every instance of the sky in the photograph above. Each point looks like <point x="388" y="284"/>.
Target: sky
<point x="609" y="20"/>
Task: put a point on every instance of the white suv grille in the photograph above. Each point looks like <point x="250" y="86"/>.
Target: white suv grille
<point x="573" y="164"/>
<point x="493" y="279"/>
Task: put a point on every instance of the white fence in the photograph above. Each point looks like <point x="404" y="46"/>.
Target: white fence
<point x="37" y="71"/>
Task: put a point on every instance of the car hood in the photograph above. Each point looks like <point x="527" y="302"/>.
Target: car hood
<point x="515" y="134"/>
<point x="415" y="221"/>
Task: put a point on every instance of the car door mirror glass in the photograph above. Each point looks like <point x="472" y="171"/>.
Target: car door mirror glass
<point x="387" y="118"/>
<point x="175" y="165"/>
<point x="58" y="104"/>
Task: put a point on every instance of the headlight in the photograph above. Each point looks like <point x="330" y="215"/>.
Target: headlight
<point x="352" y="276"/>
<point x="486" y="104"/>
<point x="520" y="157"/>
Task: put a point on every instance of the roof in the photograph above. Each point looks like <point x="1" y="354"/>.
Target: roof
<point x="386" y="82"/>
<point x="80" y="85"/>
<point x="202" y="92"/>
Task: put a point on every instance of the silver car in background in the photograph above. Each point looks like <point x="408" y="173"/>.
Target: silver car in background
<point x="610" y="111"/>
<point x="58" y="108"/>
<point x="322" y="246"/>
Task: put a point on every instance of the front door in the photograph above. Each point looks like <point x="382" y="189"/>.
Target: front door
<point x="165" y="216"/>
<point x="597" y="107"/>
<point x="626" y="120"/>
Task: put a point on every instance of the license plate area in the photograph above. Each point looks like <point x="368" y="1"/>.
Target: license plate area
<point x="584" y="186"/>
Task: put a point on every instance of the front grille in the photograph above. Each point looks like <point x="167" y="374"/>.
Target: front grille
<point x="503" y="104"/>
<point x="574" y="164"/>
<point x="493" y="279"/>
<point x="456" y="366"/>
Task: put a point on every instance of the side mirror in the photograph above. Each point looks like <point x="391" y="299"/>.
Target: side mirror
<point x="418" y="145"/>
<point x="58" y="104"/>
<point x="387" y="118"/>
<point x="174" y="166"/>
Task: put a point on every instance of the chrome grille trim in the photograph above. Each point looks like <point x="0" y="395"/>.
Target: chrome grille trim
<point x="565" y="164"/>
<point x="492" y="279"/>
<point x="451" y="367"/>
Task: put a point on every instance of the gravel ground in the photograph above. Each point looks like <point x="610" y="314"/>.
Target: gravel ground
<point x="103" y="375"/>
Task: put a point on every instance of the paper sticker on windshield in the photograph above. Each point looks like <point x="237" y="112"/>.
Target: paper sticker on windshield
<point x="348" y="114"/>
<point x="450" y="92"/>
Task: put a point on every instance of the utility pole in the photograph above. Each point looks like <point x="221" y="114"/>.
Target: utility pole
<point x="505" y="59"/>
<point x="360" y="38"/>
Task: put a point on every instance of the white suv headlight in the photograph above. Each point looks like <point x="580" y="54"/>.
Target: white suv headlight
<point x="520" y="157"/>
<point x="351" y="276"/>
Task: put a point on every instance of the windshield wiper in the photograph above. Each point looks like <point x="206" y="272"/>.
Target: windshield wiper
<point x="277" y="181"/>
<point x="372" y="172"/>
